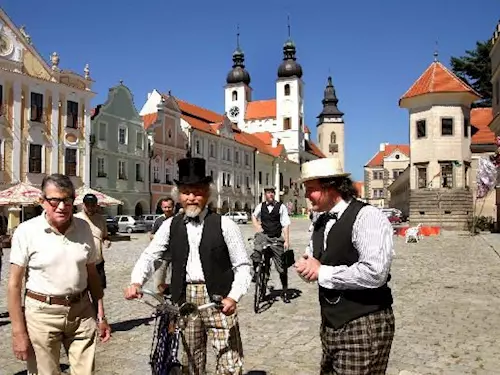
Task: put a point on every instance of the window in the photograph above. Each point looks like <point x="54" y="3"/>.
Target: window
<point x="122" y="170"/>
<point x="466" y="172"/>
<point x="422" y="177"/>
<point x="260" y="177"/>
<point x="212" y="150"/>
<point x="228" y="155"/>
<point x="287" y="123"/>
<point x="212" y="174"/>
<point x="223" y="179"/>
<point x="100" y="168"/>
<point x="287" y="90"/>
<point x="333" y="138"/>
<point x="319" y="139"/>
<point x="396" y="173"/>
<point x="281" y="181"/>
<point x="446" y="126"/>
<point x="378" y="193"/>
<point x="236" y="157"/>
<point x="138" y="172"/>
<point x="71" y="114"/>
<point x="70" y="161"/>
<point x="466" y="127"/>
<point x="247" y="159"/>
<point x="446" y="174"/>
<point x="378" y="175"/>
<point x="421" y="129"/>
<point x="235" y="95"/>
<point x="247" y="182"/>
<point x="36" y="107"/>
<point x="35" y="159"/>
<point x="197" y="147"/>
<point x="228" y="179"/>
<point x="140" y="141"/>
<point x="156" y="174"/>
<point x="103" y="130"/>
<point x="267" y="179"/>
<point x="238" y="181"/>
<point x="122" y="136"/>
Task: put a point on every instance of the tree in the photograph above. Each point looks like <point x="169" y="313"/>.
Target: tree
<point x="474" y="68"/>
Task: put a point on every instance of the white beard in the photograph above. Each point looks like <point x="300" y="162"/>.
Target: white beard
<point x="192" y="211"/>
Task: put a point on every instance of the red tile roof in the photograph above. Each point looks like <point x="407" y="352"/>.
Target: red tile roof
<point x="480" y="118"/>
<point x="437" y="79"/>
<point x="313" y="149"/>
<point x="149" y="119"/>
<point x="261" y="109"/>
<point x="378" y="159"/>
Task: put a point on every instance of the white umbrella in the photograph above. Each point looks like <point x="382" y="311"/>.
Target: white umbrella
<point x="21" y="194"/>
<point x="102" y="199"/>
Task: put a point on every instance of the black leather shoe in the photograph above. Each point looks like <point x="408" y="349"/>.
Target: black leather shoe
<point x="285" y="298"/>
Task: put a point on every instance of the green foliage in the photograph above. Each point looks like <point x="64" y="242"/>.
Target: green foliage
<point x="474" y="68"/>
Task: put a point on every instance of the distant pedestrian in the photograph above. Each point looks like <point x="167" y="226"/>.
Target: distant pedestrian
<point x="99" y="228"/>
<point x="55" y="253"/>
<point x="160" y="277"/>
<point x="352" y="250"/>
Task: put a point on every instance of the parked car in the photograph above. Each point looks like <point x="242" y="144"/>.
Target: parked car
<point x="112" y="226"/>
<point x="240" y="217"/>
<point x="149" y="220"/>
<point x="130" y="224"/>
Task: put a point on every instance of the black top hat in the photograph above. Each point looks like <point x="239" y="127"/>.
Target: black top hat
<point x="192" y="172"/>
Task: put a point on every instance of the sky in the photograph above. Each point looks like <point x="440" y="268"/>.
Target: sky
<point x="373" y="49"/>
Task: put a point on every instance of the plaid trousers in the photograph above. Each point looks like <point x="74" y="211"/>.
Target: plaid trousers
<point x="223" y="332"/>
<point x="360" y="347"/>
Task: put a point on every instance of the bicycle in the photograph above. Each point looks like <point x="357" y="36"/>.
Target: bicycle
<point x="170" y="320"/>
<point x="262" y="275"/>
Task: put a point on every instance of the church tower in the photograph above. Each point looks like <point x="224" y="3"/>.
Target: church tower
<point x="237" y="90"/>
<point x="290" y="102"/>
<point x="330" y="127"/>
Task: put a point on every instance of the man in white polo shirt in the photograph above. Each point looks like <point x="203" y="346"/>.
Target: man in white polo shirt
<point x="56" y="252"/>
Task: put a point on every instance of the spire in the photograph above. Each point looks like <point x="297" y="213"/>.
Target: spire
<point x="436" y="52"/>
<point x="330" y="102"/>
<point x="288" y="23"/>
<point x="289" y="67"/>
<point x="238" y="74"/>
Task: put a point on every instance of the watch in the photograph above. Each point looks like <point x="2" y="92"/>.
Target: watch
<point x="234" y="111"/>
<point x="101" y="319"/>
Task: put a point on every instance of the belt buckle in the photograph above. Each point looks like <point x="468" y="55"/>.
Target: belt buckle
<point x="68" y="300"/>
<point x="48" y="300"/>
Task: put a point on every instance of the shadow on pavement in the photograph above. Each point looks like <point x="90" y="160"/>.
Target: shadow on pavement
<point x="127" y="325"/>
<point x="63" y="367"/>
<point x="274" y="296"/>
<point x="256" y="372"/>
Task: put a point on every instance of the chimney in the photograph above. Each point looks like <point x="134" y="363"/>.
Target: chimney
<point x="382" y="146"/>
<point x="274" y="142"/>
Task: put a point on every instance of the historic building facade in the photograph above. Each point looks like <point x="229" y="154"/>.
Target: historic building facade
<point x="44" y="113"/>
<point x="120" y="157"/>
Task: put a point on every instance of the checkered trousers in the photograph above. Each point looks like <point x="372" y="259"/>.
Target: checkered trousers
<point x="223" y="332"/>
<point x="360" y="347"/>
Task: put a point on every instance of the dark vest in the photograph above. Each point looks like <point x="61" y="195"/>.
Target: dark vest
<point x="214" y="256"/>
<point x="339" y="307"/>
<point x="270" y="221"/>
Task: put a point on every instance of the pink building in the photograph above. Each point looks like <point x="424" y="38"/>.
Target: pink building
<point x="169" y="145"/>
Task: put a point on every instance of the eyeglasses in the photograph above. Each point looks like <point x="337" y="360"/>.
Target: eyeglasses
<point x="55" y="202"/>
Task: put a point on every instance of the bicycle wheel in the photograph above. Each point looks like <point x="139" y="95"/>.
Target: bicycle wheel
<point x="257" y="295"/>
<point x="265" y="278"/>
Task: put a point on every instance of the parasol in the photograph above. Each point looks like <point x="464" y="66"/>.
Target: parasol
<point x="21" y="194"/>
<point x="102" y="199"/>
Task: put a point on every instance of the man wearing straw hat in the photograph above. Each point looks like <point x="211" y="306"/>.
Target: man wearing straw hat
<point x="99" y="228"/>
<point x="351" y="250"/>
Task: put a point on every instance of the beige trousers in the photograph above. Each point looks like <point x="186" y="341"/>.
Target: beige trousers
<point x="49" y="326"/>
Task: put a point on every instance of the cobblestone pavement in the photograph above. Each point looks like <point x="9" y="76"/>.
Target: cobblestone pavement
<point x="446" y="305"/>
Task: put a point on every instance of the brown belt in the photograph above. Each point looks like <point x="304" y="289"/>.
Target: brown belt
<point x="58" y="300"/>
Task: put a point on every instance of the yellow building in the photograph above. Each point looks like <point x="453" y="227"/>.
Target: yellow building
<point x="44" y="113"/>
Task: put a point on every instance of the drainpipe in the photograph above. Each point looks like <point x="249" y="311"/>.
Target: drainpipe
<point x="150" y="135"/>
<point x="91" y="144"/>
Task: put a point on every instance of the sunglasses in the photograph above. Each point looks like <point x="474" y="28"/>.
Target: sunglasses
<point x="55" y="202"/>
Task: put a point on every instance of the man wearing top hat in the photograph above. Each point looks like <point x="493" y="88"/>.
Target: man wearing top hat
<point x="208" y="258"/>
<point x="351" y="251"/>
<point x="271" y="222"/>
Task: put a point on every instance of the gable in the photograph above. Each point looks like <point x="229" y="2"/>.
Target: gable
<point x="120" y="103"/>
<point x="225" y="128"/>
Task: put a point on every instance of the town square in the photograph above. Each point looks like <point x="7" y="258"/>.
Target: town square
<point x="315" y="193"/>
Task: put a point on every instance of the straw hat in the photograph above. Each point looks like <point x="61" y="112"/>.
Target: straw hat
<point x="322" y="168"/>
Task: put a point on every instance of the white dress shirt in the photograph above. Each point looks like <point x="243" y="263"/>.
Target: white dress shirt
<point x="284" y="218"/>
<point x="148" y="260"/>
<point x="372" y="237"/>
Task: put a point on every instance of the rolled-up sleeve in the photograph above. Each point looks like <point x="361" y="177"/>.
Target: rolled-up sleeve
<point x="256" y="212"/>
<point x="239" y="258"/>
<point x="19" y="251"/>
<point x="150" y="257"/>
<point x="284" y="217"/>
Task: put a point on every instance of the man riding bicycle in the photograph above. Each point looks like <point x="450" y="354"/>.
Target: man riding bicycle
<point x="271" y="222"/>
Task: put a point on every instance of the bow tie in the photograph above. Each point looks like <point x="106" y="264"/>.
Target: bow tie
<point x="194" y="220"/>
<point x="324" y="218"/>
<point x="270" y="204"/>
